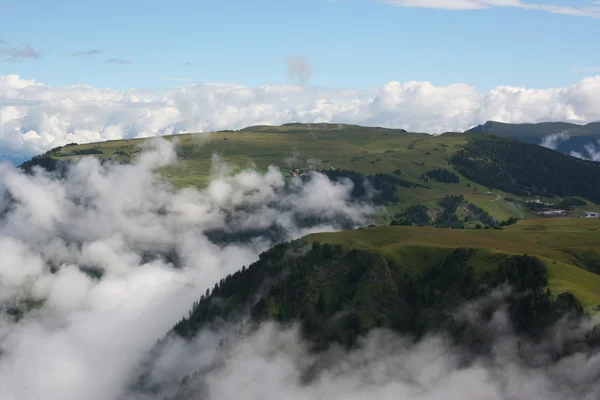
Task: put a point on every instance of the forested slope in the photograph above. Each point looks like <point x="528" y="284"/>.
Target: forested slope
<point x="525" y="169"/>
<point x="362" y="279"/>
<point x="564" y="137"/>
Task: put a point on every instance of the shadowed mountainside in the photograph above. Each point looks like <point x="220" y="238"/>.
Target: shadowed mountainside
<point x="561" y="136"/>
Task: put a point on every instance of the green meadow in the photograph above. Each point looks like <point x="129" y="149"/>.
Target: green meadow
<point x="570" y="248"/>
<point x="323" y="146"/>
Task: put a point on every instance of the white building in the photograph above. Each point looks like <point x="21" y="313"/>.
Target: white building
<point x="591" y="214"/>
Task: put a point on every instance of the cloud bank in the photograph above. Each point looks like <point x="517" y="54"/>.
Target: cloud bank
<point x="35" y="117"/>
<point x="80" y="336"/>
<point x="390" y="367"/>
<point x="273" y="363"/>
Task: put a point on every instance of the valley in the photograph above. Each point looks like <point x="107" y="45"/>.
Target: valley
<point x="429" y="225"/>
<point x="300" y="200"/>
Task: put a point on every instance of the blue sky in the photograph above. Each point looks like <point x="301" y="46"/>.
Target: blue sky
<point x="348" y="43"/>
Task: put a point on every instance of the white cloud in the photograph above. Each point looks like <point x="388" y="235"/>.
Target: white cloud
<point x="576" y="154"/>
<point x="593" y="151"/>
<point x="35" y="117"/>
<point x="89" y="334"/>
<point x="553" y="140"/>
<point x="581" y="10"/>
<point x="272" y="363"/>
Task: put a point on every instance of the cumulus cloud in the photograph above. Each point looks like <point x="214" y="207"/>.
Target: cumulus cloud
<point x="35" y="117"/>
<point x="553" y="140"/>
<point x="577" y="10"/>
<point x="105" y="259"/>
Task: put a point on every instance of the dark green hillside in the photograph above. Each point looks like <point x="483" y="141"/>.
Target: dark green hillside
<point x="339" y="292"/>
<point x="46" y="161"/>
<point x="578" y="135"/>
<point x="339" y="286"/>
<point x="525" y="169"/>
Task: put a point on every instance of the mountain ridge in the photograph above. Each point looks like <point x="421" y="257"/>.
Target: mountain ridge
<point x="577" y="140"/>
<point x="369" y="151"/>
<point x="539" y="128"/>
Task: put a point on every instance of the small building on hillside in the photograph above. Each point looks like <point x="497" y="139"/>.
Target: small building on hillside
<point x="591" y="214"/>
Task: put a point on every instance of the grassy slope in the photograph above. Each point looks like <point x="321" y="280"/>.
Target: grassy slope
<point x="366" y="150"/>
<point x="560" y="243"/>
